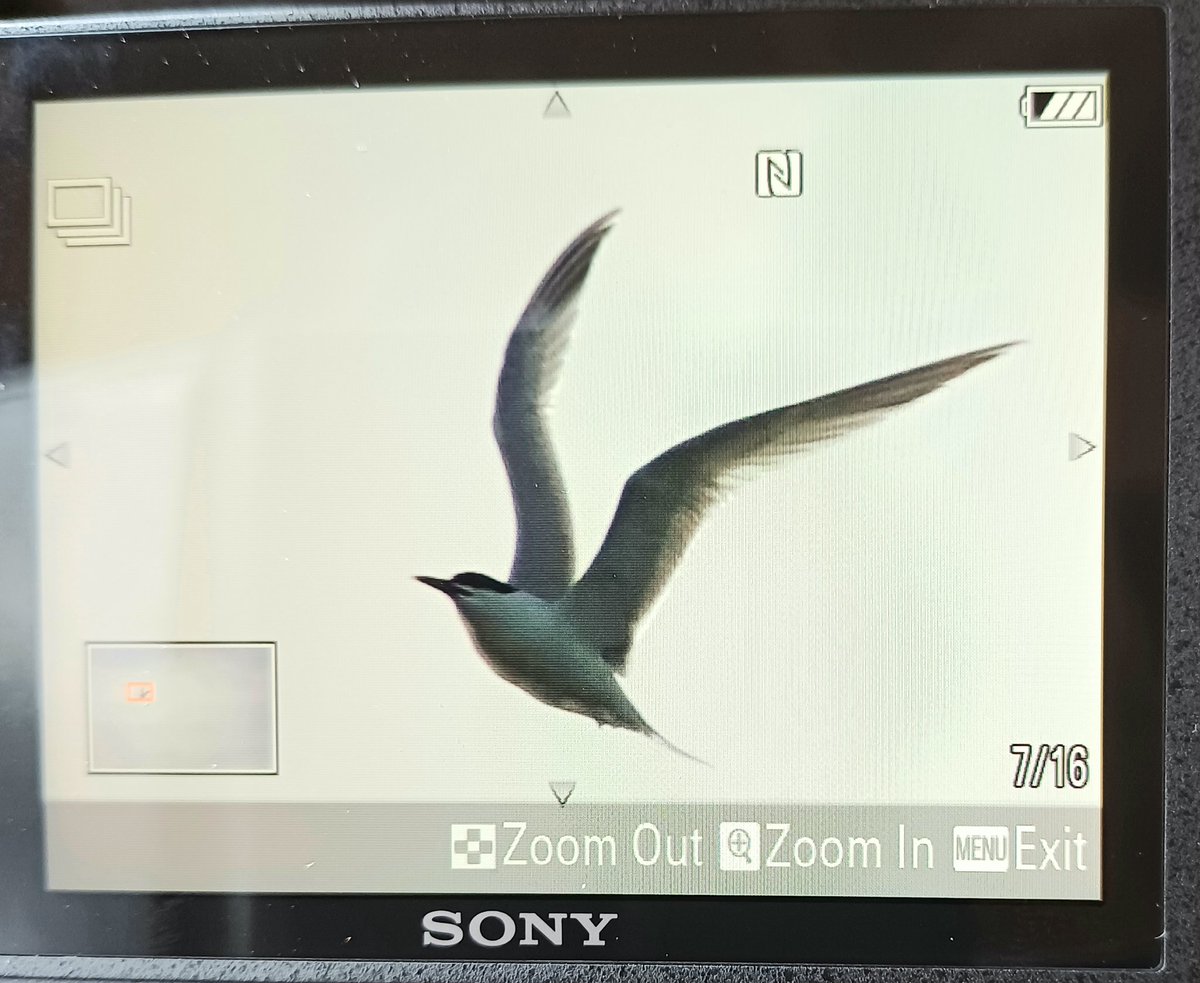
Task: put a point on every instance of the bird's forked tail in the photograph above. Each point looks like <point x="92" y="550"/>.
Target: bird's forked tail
<point x="659" y="739"/>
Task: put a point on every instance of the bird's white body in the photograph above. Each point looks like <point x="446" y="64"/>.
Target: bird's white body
<point x="528" y="642"/>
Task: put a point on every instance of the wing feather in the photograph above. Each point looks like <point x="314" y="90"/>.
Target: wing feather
<point x="664" y="501"/>
<point x="544" y="559"/>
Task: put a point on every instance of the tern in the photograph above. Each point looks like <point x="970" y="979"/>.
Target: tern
<point x="564" y="641"/>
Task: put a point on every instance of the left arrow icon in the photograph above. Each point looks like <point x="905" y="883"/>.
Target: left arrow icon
<point x="60" y="455"/>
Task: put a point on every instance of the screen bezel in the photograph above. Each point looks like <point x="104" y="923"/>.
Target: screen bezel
<point x="1129" y="43"/>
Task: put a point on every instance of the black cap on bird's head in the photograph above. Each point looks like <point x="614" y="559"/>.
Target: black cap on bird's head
<point x="468" y="585"/>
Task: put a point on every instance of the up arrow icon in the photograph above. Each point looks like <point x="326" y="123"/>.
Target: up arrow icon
<point x="556" y="108"/>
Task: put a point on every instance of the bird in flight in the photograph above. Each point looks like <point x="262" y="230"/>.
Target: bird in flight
<point x="565" y="641"/>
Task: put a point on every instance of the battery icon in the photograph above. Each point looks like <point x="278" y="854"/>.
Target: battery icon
<point x="1063" y="105"/>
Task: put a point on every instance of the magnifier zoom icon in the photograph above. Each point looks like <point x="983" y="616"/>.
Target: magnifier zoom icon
<point x="739" y="843"/>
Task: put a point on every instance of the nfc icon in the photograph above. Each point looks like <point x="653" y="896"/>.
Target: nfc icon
<point x="779" y="174"/>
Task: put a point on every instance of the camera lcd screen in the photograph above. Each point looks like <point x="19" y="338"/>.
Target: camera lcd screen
<point x="586" y="489"/>
<point x="849" y="644"/>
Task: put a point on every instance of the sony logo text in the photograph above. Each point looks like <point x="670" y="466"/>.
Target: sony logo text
<point x="496" y="928"/>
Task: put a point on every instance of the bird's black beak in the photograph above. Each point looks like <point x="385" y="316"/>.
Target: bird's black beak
<point x="445" y="586"/>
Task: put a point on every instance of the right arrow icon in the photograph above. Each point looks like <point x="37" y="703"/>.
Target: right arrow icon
<point x="1078" y="446"/>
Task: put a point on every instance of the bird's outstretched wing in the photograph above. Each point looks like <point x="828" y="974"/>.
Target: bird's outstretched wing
<point x="664" y="501"/>
<point x="544" y="561"/>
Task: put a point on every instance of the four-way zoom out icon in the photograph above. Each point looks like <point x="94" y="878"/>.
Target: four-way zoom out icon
<point x="472" y="846"/>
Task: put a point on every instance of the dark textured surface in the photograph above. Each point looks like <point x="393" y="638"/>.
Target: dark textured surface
<point x="1183" y="541"/>
<point x="1183" y="665"/>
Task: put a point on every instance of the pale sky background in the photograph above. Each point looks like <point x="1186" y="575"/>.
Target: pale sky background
<point x="278" y="402"/>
